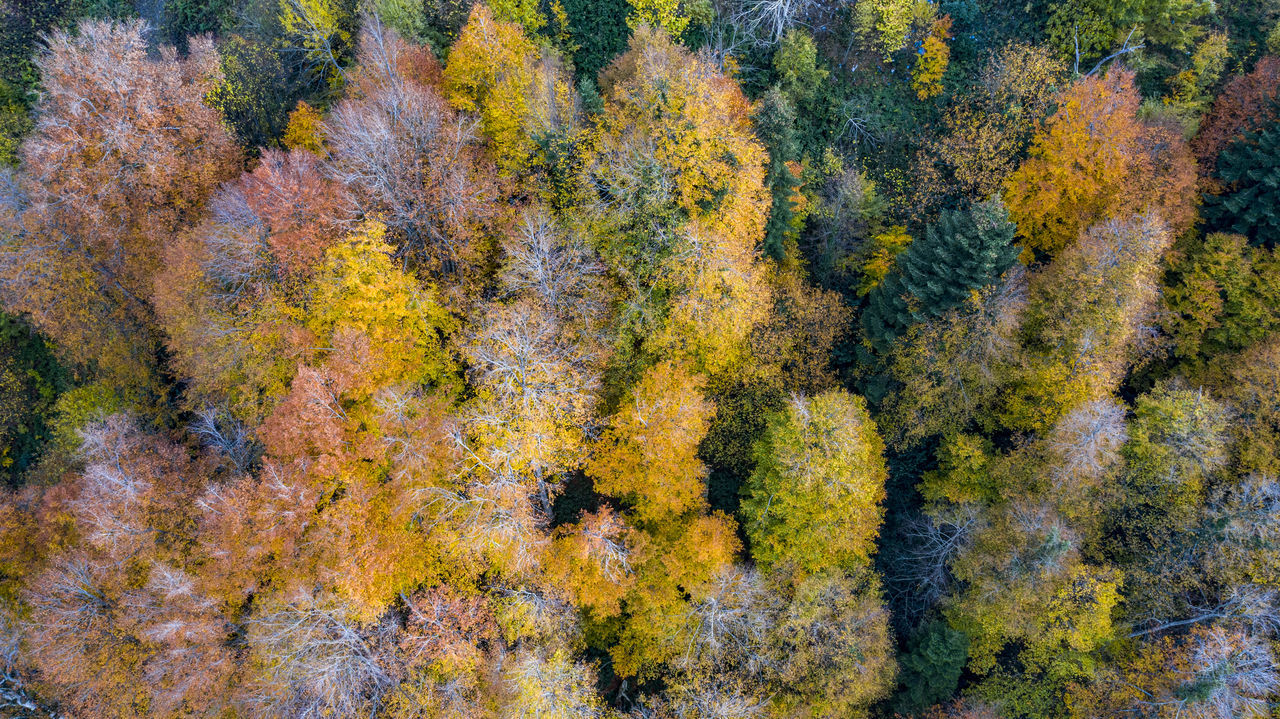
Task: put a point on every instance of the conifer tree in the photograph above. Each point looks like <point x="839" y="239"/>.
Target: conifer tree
<point x="961" y="252"/>
<point x="775" y="123"/>
<point x="1251" y="170"/>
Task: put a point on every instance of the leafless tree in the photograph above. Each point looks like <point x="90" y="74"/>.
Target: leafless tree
<point x="114" y="486"/>
<point x="769" y="20"/>
<point x="315" y="663"/>
<point x="549" y="684"/>
<point x="920" y="571"/>
<point x="604" y="535"/>
<point x="1230" y="676"/>
<point x="236" y="252"/>
<point x="1249" y="512"/>
<point x="1086" y="442"/>
<point x="726" y="628"/>
<point x="555" y="265"/>
<point x="226" y="435"/>
<point x="191" y="664"/>
<point x="407" y="155"/>
<point x="72" y="617"/>
<point x="1250" y="605"/>
<point x="714" y="696"/>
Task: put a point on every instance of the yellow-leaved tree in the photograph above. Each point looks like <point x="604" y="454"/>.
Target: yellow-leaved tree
<point x="681" y="202"/>
<point x="520" y="94"/>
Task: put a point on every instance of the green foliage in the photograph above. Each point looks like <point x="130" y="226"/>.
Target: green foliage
<point x="1177" y="441"/>
<point x="407" y="17"/>
<point x="813" y="502"/>
<point x="1223" y="296"/>
<point x="775" y="123"/>
<point x="31" y="380"/>
<point x="78" y="407"/>
<point x="884" y="24"/>
<point x="930" y="670"/>
<point x="1099" y="26"/>
<point x="963" y="473"/>
<point x="19" y="34"/>
<point x="525" y="13"/>
<point x="796" y="63"/>
<point x="184" y="18"/>
<point x="1250" y="169"/>
<point x="599" y="28"/>
<point x="961" y="252"/>
<point x="15" y="123"/>
<point x="509" y="480"/>
<point x="669" y="16"/>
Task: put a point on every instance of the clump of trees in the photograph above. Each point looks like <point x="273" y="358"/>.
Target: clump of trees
<point x="728" y="358"/>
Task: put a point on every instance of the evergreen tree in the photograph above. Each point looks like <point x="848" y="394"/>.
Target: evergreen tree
<point x="961" y="252"/>
<point x="775" y="123"/>
<point x="930" y="670"/>
<point x="1250" y="168"/>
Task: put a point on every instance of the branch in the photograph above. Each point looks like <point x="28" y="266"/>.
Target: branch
<point x="1124" y="49"/>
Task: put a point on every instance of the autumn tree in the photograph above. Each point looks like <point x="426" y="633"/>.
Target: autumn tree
<point x="230" y="292"/>
<point x="1218" y="296"/>
<point x="552" y="686"/>
<point x="521" y="96"/>
<point x="535" y="363"/>
<point x="984" y="134"/>
<point x="1094" y="160"/>
<point x="407" y="155"/>
<point x="953" y="369"/>
<point x="926" y="76"/>
<point x="1212" y="672"/>
<point x="1245" y="104"/>
<point x="834" y="646"/>
<point x="813" y="503"/>
<point x="124" y="154"/>
<point x="648" y="455"/>
<point x="322" y="33"/>
<point x="120" y="620"/>
<point x="1086" y="317"/>
<point x="680" y="186"/>
<point x="647" y="459"/>
<point x="361" y="417"/>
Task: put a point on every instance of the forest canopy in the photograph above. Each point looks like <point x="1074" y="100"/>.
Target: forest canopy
<point x="647" y="359"/>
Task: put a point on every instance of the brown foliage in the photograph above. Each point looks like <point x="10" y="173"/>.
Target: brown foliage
<point x="1246" y="103"/>
<point x="117" y="623"/>
<point x="295" y="205"/>
<point x="124" y="153"/>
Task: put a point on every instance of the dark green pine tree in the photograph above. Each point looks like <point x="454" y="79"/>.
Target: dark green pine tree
<point x="775" y="123"/>
<point x="959" y="253"/>
<point x="1250" y="168"/>
<point x="930" y="670"/>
